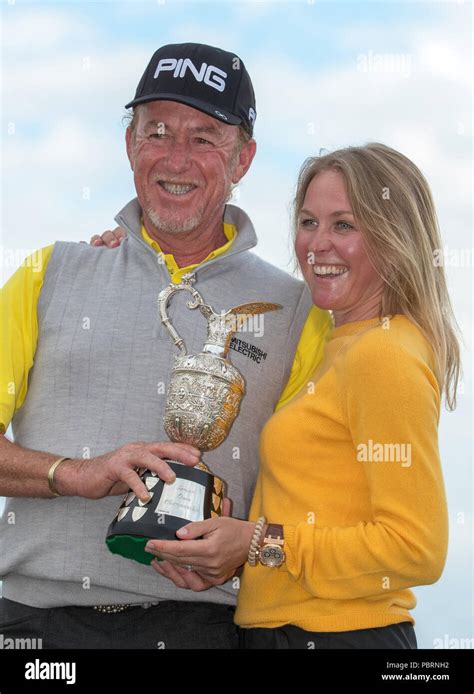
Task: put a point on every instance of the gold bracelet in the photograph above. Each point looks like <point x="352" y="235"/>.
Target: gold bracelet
<point x="257" y="533"/>
<point x="51" y="472"/>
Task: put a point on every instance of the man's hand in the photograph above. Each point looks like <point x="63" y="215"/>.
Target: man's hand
<point x="223" y="547"/>
<point x="111" y="239"/>
<point x="116" y="472"/>
<point x="182" y="578"/>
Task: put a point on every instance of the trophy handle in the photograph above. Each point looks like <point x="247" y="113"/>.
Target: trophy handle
<point x="163" y="301"/>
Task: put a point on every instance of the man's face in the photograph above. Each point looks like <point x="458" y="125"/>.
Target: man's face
<point x="184" y="164"/>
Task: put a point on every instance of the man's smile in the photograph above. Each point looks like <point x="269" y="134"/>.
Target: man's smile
<point x="173" y="188"/>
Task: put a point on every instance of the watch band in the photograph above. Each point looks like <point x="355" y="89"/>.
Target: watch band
<point x="274" y="532"/>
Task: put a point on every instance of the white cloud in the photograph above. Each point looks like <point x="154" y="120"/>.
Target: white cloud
<point x="66" y="145"/>
<point x="39" y="30"/>
<point x="94" y="83"/>
<point x="439" y="56"/>
<point x="206" y="32"/>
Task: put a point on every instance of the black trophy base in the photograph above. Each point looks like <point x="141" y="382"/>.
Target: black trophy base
<point x="195" y="495"/>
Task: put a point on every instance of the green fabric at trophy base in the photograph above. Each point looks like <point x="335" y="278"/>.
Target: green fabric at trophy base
<point x="131" y="547"/>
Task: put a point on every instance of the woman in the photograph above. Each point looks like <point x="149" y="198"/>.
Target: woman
<point x="350" y="477"/>
<point x="351" y="468"/>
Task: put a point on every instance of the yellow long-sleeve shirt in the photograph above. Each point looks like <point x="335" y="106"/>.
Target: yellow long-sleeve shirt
<point x="351" y="470"/>
<point x="19" y="327"/>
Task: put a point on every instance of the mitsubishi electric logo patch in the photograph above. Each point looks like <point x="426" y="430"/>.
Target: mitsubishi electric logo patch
<point x="209" y="74"/>
<point x="248" y="350"/>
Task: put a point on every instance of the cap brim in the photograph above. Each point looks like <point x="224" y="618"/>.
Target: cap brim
<point x="219" y="114"/>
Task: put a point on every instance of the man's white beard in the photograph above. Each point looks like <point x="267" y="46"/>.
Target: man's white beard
<point x="170" y="226"/>
<point x="180" y="226"/>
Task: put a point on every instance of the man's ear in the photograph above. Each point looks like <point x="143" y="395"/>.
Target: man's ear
<point x="129" y="143"/>
<point x="246" y="156"/>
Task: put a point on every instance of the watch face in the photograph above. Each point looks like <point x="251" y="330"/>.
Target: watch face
<point x="272" y="555"/>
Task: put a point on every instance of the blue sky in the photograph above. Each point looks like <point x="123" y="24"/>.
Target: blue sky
<point x="326" y="74"/>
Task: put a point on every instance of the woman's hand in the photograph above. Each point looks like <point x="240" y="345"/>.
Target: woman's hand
<point x="214" y="558"/>
<point x="111" y="239"/>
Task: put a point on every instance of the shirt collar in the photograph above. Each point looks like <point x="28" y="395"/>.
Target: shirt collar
<point x="129" y="218"/>
<point x="177" y="273"/>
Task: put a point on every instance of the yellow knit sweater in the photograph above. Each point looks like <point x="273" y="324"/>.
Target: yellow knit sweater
<point x="351" y="469"/>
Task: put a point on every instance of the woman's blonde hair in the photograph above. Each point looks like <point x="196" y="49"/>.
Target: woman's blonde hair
<point x="392" y="204"/>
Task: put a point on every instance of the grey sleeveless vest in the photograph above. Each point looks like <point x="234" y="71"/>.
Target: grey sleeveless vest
<point x="99" y="379"/>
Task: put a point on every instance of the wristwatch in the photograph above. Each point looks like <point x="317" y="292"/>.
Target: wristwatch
<point x="271" y="552"/>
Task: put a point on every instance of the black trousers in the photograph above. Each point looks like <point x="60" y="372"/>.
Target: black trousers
<point x="290" y="637"/>
<point x="170" y="624"/>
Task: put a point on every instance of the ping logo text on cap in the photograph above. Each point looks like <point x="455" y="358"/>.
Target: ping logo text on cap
<point x="209" y="74"/>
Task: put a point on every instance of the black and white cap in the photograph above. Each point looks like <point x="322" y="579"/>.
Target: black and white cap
<point x="206" y="78"/>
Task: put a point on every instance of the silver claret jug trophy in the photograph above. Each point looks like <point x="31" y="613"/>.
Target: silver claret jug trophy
<point x="202" y="402"/>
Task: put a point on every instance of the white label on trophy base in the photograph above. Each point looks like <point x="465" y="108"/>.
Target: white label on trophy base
<point x="183" y="499"/>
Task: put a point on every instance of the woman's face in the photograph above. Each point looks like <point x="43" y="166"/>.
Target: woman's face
<point x="331" y="252"/>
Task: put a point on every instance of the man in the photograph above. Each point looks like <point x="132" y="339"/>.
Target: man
<point x="85" y="360"/>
